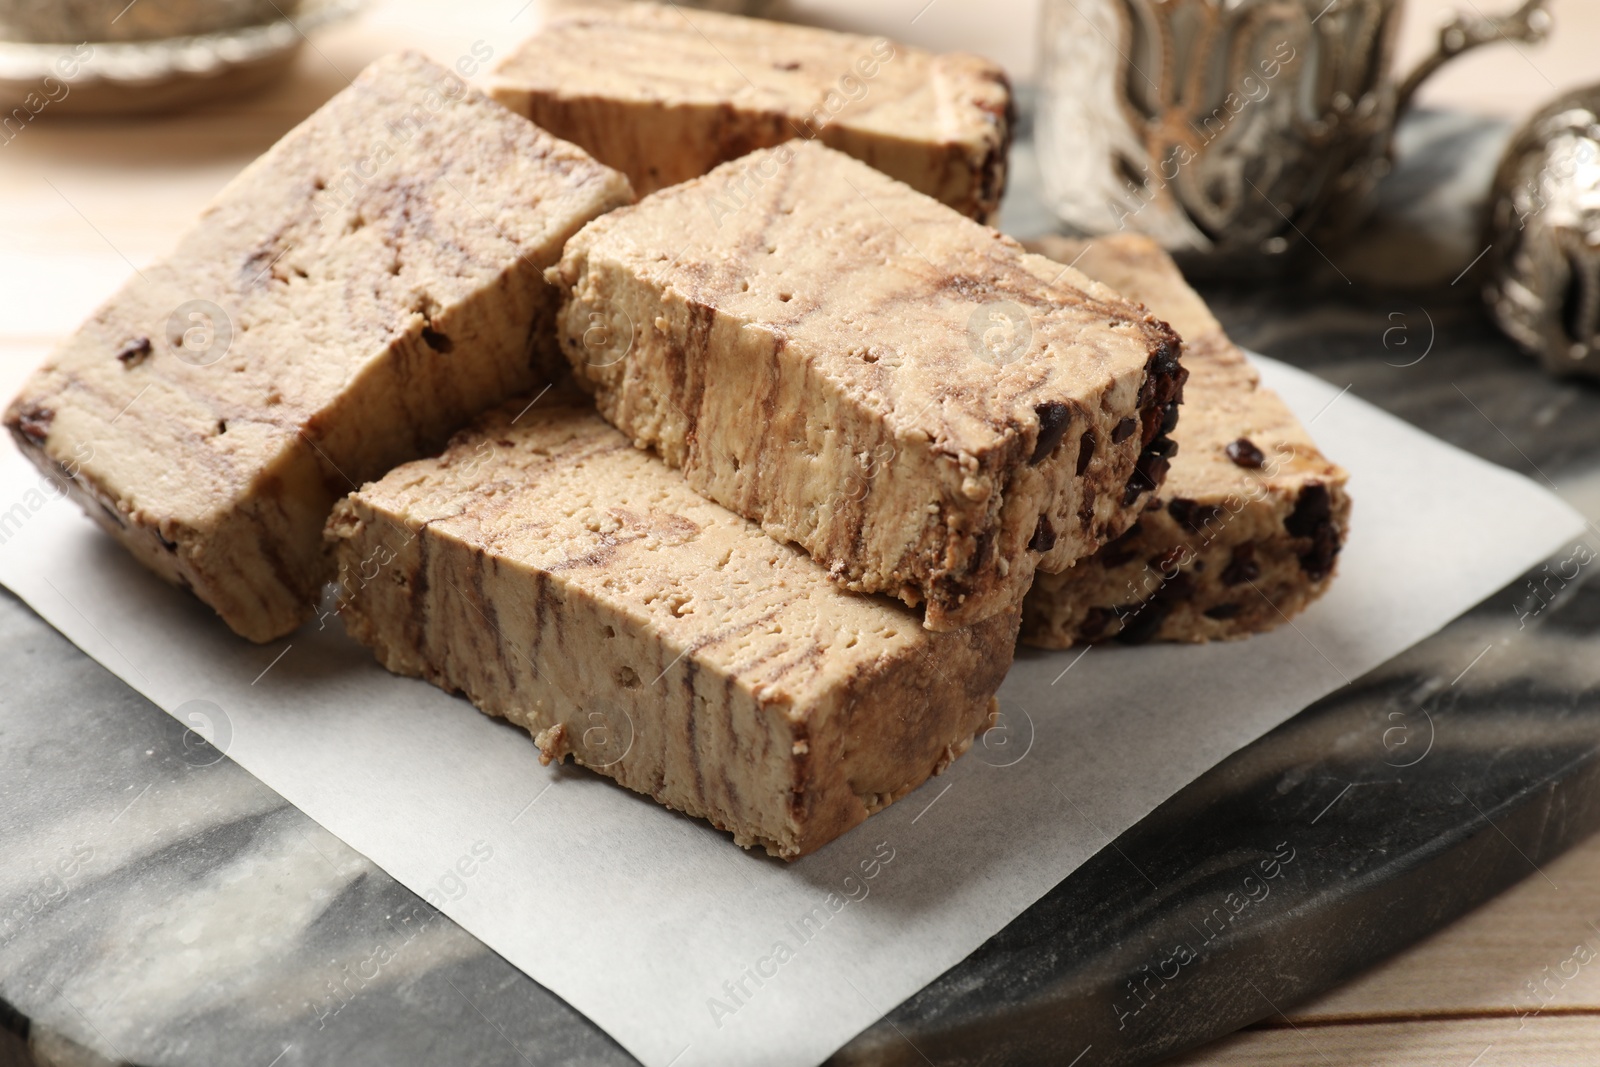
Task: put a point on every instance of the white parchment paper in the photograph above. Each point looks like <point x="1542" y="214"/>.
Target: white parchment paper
<point x="687" y="949"/>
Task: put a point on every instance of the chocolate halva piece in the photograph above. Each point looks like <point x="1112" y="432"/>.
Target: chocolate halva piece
<point x="579" y="587"/>
<point x="344" y="304"/>
<point x="927" y="409"/>
<point x="665" y="94"/>
<point x="1245" y="531"/>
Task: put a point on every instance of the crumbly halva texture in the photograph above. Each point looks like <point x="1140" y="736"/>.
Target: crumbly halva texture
<point x="927" y="409"/>
<point x="665" y="95"/>
<point x="355" y="295"/>
<point x="1245" y="532"/>
<point x="578" y="587"/>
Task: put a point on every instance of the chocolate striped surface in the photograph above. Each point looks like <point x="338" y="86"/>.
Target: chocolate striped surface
<point x="580" y="588"/>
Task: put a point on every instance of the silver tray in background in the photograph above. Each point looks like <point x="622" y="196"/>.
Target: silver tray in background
<point x="133" y="77"/>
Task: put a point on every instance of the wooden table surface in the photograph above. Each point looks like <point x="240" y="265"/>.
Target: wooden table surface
<point x="81" y="203"/>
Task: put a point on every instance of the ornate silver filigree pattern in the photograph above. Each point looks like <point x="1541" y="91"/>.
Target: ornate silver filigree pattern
<point x="1228" y="126"/>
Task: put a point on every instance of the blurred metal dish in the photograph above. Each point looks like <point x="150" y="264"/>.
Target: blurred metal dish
<point x="1544" y="232"/>
<point x="129" y="76"/>
<point x="1230" y="129"/>
<point x="56" y="21"/>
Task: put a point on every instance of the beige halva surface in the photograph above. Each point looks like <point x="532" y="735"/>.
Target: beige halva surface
<point x="819" y="360"/>
<point x="348" y="301"/>
<point x="665" y="94"/>
<point x="580" y="588"/>
<point x="1227" y="546"/>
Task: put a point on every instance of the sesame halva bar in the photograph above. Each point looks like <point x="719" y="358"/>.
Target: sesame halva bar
<point x="664" y="95"/>
<point x="579" y="588"/>
<point x="344" y="304"/>
<point x="1246" y="530"/>
<point x="926" y="408"/>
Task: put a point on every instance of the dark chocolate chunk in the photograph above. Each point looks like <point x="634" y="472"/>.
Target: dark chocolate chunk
<point x="1085" y="451"/>
<point x="1054" y="418"/>
<point x="1149" y="423"/>
<point x="1095" y="621"/>
<point x="1178" y="587"/>
<point x="437" y="341"/>
<point x="1169" y="420"/>
<point x="1150" y="472"/>
<point x="1122" y="549"/>
<point x="1141" y="624"/>
<point x="1318" y="562"/>
<point x="1223" y="612"/>
<point x="1163" y="387"/>
<point x="1313" y="517"/>
<point x="1123" y="431"/>
<point x="1044" y="536"/>
<point x="1243" y="567"/>
<point x="1310" y="511"/>
<point x="1160" y="372"/>
<point x="1246" y="454"/>
<point x="1164" y="363"/>
<point x="1153" y="466"/>
<point x="1192" y="516"/>
<point x="134" y="352"/>
<point x="34" y="424"/>
<point x="1086" y="509"/>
